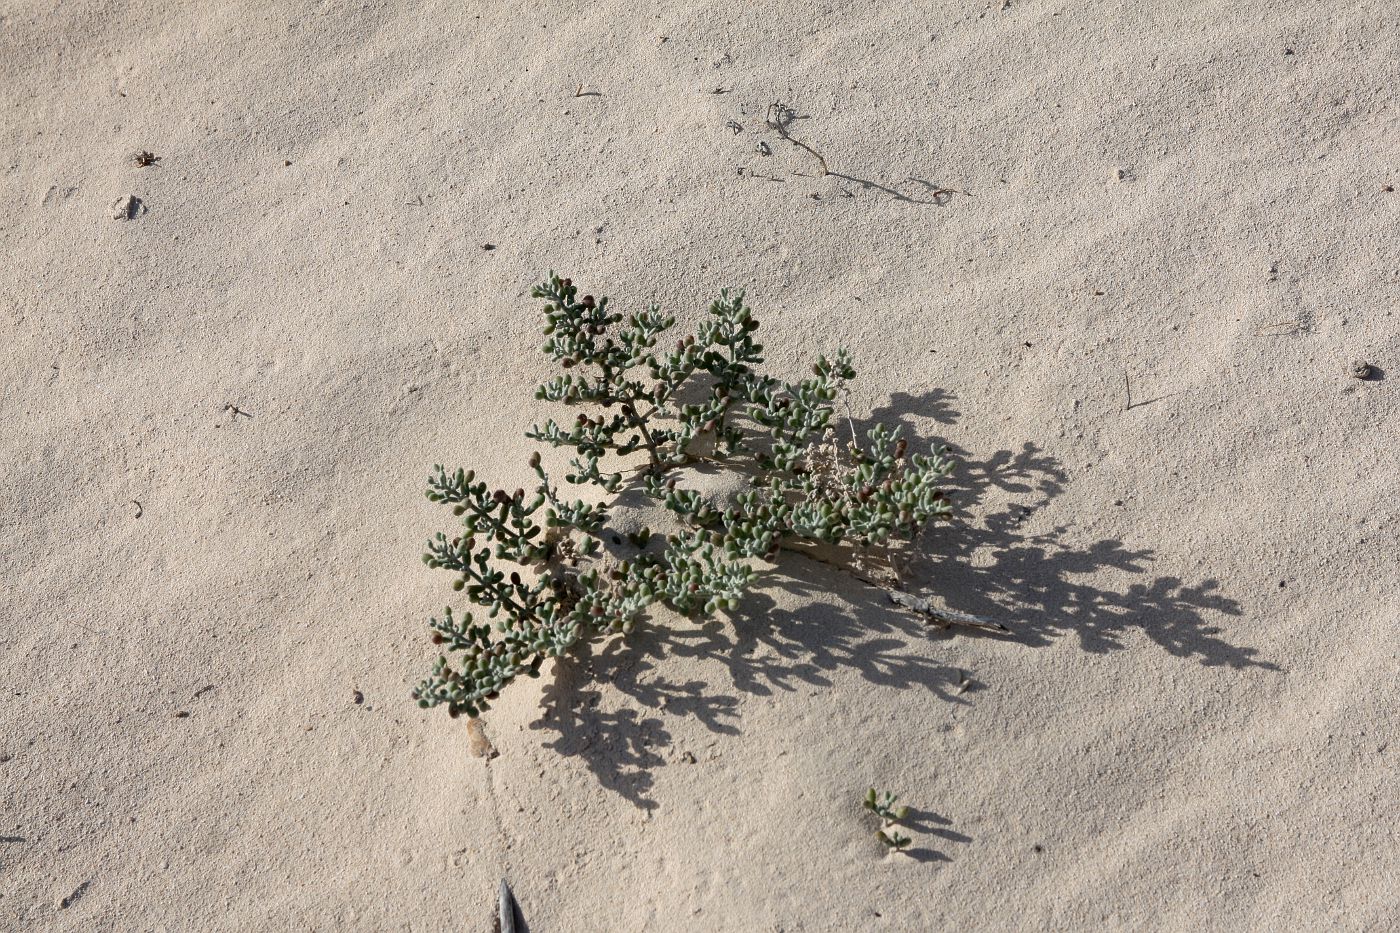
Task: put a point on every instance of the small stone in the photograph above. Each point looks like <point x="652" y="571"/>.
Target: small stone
<point x="1360" y="369"/>
<point x="359" y="698"/>
<point x="688" y="758"/>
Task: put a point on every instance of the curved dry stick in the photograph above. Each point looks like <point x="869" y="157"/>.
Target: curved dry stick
<point x="781" y="129"/>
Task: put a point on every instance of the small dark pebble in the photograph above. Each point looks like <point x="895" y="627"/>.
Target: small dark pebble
<point x="1037" y="848"/>
<point x="1387" y="188"/>
<point x="183" y="714"/>
<point x="1361" y="369"/>
<point x="488" y="246"/>
<point x="359" y="698"/>
<point x="1287" y="51"/>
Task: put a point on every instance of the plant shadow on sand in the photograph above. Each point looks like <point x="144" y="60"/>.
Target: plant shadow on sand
<point x="1037" y="584"/>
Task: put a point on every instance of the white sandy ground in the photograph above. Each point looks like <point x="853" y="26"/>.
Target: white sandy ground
<point x="1193" y="723"/>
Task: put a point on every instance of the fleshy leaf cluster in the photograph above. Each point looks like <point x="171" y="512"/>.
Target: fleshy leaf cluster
<point x="533" y="562"/>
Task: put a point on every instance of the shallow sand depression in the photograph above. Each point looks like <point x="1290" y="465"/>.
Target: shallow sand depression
<point x="1119" y="257"/>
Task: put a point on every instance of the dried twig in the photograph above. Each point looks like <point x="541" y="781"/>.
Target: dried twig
<point x="946" y="616"/>
<point x="506" y="909"/>
<point x="777" y="119"/>
<point x="1292" y="327"/>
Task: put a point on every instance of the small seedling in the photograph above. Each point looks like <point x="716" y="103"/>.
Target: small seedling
<point x="551" y="571"/>
<point x="884" y="807"/>
<point x="893" y="839"/>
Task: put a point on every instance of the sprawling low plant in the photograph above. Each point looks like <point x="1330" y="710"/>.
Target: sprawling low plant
<point x="541" y="564"/>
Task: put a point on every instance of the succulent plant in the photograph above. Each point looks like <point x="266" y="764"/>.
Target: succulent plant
<point x="536" y="561"/>
<point x="893" y="839"/>
<point x="884" y="807"/>
<point x="890" y="815"/>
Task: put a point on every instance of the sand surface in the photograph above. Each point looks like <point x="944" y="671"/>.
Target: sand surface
<point x="221" y="401"/>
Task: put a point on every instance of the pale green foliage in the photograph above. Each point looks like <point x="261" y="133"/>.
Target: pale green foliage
<point x="533" y="559"/>
<point x="890" y="815"/>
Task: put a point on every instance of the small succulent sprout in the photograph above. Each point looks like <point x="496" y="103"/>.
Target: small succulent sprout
<point x="878" y="492"/>
<point x="883" y="806"/>
<point x="894" y="840"/>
